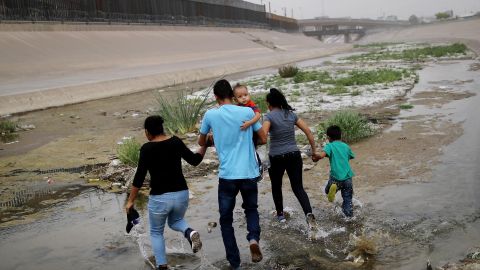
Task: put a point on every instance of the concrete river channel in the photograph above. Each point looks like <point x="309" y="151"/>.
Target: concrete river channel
<point x="412" y="222"/>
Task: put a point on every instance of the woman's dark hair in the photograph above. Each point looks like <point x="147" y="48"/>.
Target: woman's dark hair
<point x="223" y="90"/>
<point x="334" y="132"/>
<point x="276" y="99"/>
<point x="154" y="125"/>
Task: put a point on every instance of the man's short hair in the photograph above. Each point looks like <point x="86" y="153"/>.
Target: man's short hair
<point x="334" y="132"/>
<point x="223" y="90"/>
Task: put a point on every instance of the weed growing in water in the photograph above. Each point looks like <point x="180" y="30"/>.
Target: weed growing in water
<point x="181" y="114"/>
<point x="354" y="126"/>
<point x="287" y="71"/>
<point x="129" y="152"/>
<point x="8" y="131"/>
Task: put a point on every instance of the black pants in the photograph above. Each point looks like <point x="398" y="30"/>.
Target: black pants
<point x="293" y="164"/>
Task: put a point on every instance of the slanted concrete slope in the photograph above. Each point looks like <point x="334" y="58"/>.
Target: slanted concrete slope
<point x="44" y="66"/>
<point x="467" y="31"/>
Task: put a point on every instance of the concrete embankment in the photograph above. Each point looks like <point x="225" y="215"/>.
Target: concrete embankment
<point x="53" y="65"/>
<point x="467" y="31"/>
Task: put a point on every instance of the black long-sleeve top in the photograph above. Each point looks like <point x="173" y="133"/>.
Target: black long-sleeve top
<point x="163" y="160"/>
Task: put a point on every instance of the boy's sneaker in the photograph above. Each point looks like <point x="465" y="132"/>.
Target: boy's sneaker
<point x="281" y="218"/>
<point x="331" y="192"/>
<point x="255" y="252"/>
<point x="195" y="241"/>
<point x="312" y="223"/>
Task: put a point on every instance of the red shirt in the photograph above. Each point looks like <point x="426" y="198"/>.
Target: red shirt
<point x="251" y="105"/>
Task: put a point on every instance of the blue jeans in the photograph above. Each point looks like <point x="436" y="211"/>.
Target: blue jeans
<point x="227" y="194"/>
<point x="169" y="207"/>
<point x="346" y="188"/>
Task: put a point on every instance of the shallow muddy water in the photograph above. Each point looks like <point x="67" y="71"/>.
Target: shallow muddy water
<point x="411" y="222"/>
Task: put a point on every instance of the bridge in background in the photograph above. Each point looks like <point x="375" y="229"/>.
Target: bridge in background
<point x="344" y="26"/>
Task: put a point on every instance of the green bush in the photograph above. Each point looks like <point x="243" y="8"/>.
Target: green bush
<point x="8" y="131"/>
<point x="261" y="102"/>
<point x="442" y="15"/>
<point x="129" y="152"/>
<point x="354" y="126"/>
<point x="405" y="106"/>
<point x="287" y="71"/>
<point x="183" y="113"/>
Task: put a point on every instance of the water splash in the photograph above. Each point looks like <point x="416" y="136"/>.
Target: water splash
<point x="139" y="235"/>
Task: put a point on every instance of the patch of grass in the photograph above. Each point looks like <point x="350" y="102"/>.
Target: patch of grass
<point x="181" y="114"/>
<point x="296" y="92"/>
<point x="129" y="152"/>
<point x="354" y="126"/>
<point x="314" y="75"/>
<point x="287" y="71"/>
<point x="8" y="131"/>
<point x="261" y="102"/>
<point x="337" y="90"/>
<point x="360" y="77"/>
<point x="417" y="54"/>
<point x="405" y="106"/>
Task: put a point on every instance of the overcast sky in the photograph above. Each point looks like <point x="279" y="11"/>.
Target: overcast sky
<point x="306" y="9"/>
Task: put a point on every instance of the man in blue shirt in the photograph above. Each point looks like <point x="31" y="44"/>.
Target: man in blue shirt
<point x="238" y="168"/>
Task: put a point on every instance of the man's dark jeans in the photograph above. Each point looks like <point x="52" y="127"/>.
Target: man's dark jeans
<point x="346" y="188"/>
<point x="227" y="193"/>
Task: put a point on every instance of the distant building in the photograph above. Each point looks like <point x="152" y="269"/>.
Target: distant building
<point x="391" y="18"/>
<point x="388" y="18"/>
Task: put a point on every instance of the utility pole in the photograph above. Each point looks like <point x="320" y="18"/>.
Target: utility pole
<point x="269" y="7"/>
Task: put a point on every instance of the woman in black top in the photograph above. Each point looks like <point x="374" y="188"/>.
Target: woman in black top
<point x="168" y="199"/>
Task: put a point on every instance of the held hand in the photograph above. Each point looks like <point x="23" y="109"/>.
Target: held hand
<point x="209" y="141"/>
<point x="316" y="157"/>
<point x="244" y="126"/>
<point x="128" y="206"/>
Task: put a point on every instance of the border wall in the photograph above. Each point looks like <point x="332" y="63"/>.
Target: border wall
<point x="227" y="13"/>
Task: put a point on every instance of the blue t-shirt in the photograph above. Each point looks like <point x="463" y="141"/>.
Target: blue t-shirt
<point x="234" y="146"/>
